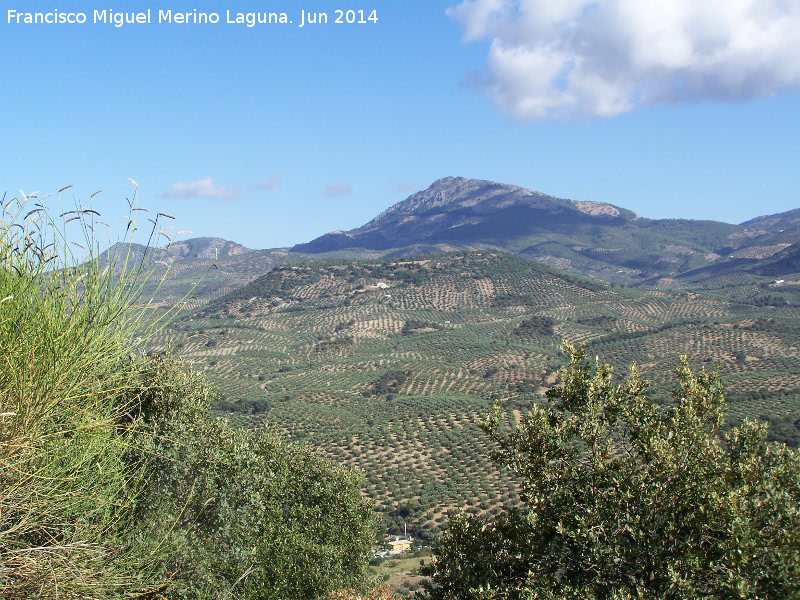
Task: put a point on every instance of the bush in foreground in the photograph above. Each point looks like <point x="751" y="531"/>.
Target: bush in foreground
<point x="627" y="500"/>
<point x="243" y="513"/>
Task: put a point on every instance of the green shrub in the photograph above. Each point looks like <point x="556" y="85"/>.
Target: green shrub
<point x="255" y="516"/>
<point x="536" y="325"/>
<point x="625" y="499"/>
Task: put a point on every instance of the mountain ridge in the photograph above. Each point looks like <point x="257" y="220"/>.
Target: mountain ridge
<point x="452" y="207"/>
<point x="594" y="238"/>
<point x="465" y="193"/>
<point x="597" y="239"/>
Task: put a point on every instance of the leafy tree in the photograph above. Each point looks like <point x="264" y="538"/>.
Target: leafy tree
<point x="625" y="499"/>
<point x="536" y="325"/>
<point x="245" y="514"/>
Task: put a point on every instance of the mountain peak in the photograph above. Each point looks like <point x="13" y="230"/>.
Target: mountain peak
<point x="461" y="212"/>
<point x="460" y="192"/>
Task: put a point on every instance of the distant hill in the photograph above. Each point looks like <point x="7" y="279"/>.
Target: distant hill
<point x="781" y="263"/>
<point x="458" y="211"/>
<point x="601" y="240"/>
<point x="777" y="223"/>
<point x="203" y="268"/>
<point x="205" y="247"/>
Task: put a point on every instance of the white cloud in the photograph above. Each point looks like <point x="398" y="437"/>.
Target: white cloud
<point x="599" y="58"/>
<point x="202" y="188"/>
<point x="337" y="188"/>
<point x="267" y="183"/>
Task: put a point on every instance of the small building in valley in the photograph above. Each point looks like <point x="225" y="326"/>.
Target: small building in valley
<point x="399" y="546"/>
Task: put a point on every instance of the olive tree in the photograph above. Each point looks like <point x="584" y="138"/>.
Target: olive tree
<point x="626" y="499"/>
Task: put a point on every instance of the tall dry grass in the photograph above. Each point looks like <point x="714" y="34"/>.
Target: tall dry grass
<point x="71" y="330"/>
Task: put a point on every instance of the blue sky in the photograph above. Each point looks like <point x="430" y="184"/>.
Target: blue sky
<point x="276" y="134"/>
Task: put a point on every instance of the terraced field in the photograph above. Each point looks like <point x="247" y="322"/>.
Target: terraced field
<point x="386" y="365"/>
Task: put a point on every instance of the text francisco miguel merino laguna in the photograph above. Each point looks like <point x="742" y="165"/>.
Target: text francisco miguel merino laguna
<point x="118" y="19"/>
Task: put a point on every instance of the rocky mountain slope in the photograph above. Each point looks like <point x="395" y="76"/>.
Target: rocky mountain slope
<point x="593" y="238"/>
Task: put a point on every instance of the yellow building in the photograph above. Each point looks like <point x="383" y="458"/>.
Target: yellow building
<point x="399" y="546"/>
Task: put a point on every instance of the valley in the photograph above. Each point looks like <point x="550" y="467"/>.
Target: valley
<point x="386" y="364"/>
